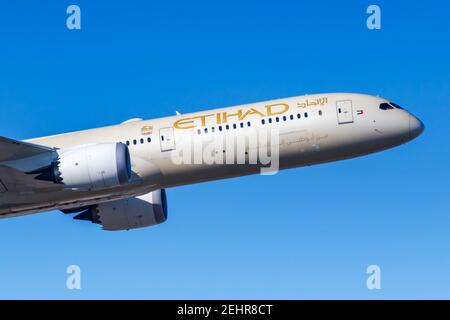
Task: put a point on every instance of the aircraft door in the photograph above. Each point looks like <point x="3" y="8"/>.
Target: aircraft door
<point x="167" y="139"/>
<point x="344" y="111"/>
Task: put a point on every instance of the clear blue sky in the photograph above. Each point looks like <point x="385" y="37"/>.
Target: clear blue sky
<point x="304" y="233"/>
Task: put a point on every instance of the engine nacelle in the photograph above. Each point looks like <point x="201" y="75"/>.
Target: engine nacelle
<point x="97" y="166"/>
<point x="137" y="212"/>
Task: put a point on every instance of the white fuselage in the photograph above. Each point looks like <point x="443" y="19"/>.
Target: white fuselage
<point x="311" y="129"/>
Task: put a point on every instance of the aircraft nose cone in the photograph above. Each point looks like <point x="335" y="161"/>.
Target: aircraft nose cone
<point x="416" y="127"/>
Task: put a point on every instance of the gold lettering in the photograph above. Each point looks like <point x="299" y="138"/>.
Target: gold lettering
<point x="203" y="118"/>
<point x="251" y="111"/>
<point x="323" y="101"/>
<point x="182" y="122"/>
<point x="226" y="115"/>
<point x="270" y="112"/>
<point x="308" y="103"/>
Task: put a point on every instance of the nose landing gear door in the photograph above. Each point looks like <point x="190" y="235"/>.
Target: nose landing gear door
<point x="167" y="139"/>
<point x="344" y="111"/>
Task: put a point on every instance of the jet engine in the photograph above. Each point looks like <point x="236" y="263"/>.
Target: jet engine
<point x="90" y="167"/>
<point x="137" y="212"/>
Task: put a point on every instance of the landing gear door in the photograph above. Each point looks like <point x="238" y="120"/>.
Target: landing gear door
<point x="344" y="111"/>
<point x="167" y="139"/>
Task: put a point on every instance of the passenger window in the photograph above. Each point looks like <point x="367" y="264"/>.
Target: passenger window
<point x="263" y="121"/>
<point x="292" y="117"/>
<point x="199" y="131"/>
<point x="298" y="115"/>
<point x="206" y="130"/>
<point x="220" y="128"/>
<point x="142" y="141"/>
<point x="270" y="120"/>
<point x="227" y="127"/>
<point x="149" y="139"/>
<point x="306" y="114"/>
<point x="135" y="142"/>
<point x="277" y="119"/>
<point x="320" y="112"/>
<point x="248" y="124"/>
<point x="242" y="124"/>
<point x="284" y="118"/>
<point x="234" y="126"/>
<point x="128" y="143"/>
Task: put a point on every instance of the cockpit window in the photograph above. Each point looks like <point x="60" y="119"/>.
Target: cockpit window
<point x="395" y="105"/>
<point x="386" y="106"/>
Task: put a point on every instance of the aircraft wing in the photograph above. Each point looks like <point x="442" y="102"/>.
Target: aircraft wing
<point x="14" y="150"/>
<point x="14" y="180"/>
<point x="12" y="177"/>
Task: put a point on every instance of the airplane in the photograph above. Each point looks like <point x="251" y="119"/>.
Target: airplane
<point x="116" y="176"/>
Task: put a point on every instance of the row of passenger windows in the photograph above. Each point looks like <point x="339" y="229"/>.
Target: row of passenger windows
<point x="135" y="142"/>
<point x="234" y="126"/>
<point x="263" y="122"/>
